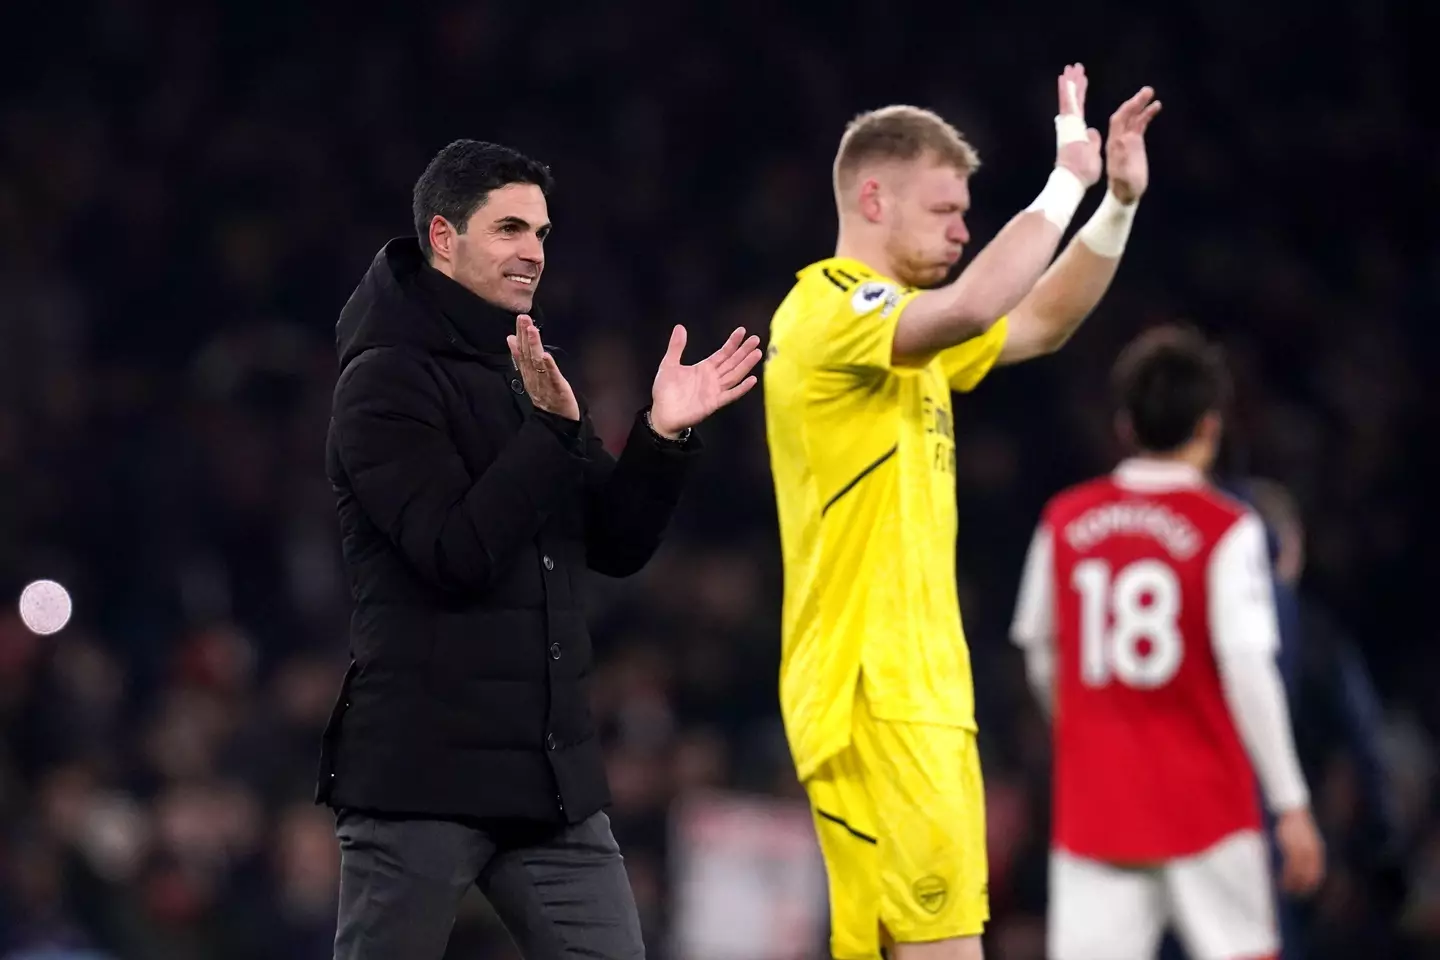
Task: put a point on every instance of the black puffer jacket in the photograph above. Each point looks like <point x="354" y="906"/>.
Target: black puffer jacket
<point x="468" y="521"/>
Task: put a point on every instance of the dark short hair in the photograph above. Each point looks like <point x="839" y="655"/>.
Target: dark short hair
<point x="1166" y="381"/>
<point x="457" y="182"/>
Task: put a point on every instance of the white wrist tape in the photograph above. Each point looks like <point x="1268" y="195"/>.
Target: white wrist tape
<point x="1060" y="198"/>
<point x="1106" y="232"/>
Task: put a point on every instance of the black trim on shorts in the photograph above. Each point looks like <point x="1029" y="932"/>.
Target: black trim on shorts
<point x="851" y="830"/>
<point x="858" y="477"/>
<point x="833" y="279"/>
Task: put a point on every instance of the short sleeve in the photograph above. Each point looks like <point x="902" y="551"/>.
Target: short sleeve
<point x="967" y="364"/>
<point x="859" y="333"/>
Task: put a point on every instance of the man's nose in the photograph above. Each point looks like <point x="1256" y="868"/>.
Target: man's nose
<point x="959" y="233"/>
<point x="532" y="250"/>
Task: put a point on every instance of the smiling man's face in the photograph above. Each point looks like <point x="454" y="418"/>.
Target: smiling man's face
<point x="500" y="254"/>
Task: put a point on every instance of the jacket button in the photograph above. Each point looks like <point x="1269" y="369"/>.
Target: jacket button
<point x="554" y="651"/>
<point x="550" y="742"/>
<point x="549" y="564"/>
<point x="517" y="385"/>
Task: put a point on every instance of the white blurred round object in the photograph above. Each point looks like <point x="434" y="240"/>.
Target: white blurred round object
<point x="45" y="607"/>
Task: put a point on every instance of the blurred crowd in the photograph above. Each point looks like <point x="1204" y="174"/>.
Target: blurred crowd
<point x="189" y="191"/>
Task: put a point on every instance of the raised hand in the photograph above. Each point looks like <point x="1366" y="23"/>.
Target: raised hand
<point x="1077" y="147"/>
<point x="682" y="396"/>
<point x="1125" y="160"/>
<point x="549" y="391"/>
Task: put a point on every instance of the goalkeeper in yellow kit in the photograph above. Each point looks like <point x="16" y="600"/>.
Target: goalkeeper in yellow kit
<point x="875" y="681"/>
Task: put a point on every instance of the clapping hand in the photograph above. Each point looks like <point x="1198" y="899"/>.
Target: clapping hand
<point x="1125" y="160"/>
<point x="548" y="389"/>
<point x="1077" y="147"/>
<point x="682" y="396"/>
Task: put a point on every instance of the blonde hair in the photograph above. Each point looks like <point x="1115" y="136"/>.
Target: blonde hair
<point x="901" y="133"/>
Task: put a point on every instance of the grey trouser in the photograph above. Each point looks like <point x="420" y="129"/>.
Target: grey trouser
<point x="562" y="893"/>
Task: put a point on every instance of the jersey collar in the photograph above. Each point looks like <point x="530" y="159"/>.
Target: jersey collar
<point x="855" y="268"/>
<point x="1155" y="476"/>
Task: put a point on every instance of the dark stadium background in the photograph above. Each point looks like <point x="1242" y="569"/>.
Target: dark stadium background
<point x="189" y="190"/>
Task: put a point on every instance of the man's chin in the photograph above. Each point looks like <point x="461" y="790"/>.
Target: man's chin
<point x="927" y="279"/>
<point x="517" y="303"/>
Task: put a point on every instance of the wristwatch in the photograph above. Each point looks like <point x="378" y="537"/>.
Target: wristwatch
<point x="684" y="434"/>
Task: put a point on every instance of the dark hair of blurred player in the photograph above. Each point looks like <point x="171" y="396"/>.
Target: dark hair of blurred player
<point x="1171" y="390"/>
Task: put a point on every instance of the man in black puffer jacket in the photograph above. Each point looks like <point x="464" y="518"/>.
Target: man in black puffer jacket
<point x="473" y="494"/>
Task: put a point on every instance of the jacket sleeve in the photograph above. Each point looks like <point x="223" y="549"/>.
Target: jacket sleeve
<point x="629" y="502"/>
<point x="455" y="530"/>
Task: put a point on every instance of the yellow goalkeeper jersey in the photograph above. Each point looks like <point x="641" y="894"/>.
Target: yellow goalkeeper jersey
<point x="862" y="453"/>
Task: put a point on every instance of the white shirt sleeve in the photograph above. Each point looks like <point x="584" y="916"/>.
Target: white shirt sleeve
<point x="1246" y="638"/>
<point x="1033" y="629"/>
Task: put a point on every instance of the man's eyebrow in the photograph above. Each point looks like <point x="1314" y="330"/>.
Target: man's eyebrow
<point x="522" y="223"/>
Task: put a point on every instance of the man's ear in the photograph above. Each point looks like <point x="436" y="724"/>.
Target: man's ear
<point x="442" y="237"/>
<point x="870" y="204"/>
<point x="1212" y="429"/>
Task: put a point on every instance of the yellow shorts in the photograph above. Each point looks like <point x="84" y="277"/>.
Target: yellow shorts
<point x="901" y="818"/>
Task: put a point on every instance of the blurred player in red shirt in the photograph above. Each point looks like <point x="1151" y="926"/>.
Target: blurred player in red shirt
<point x="1148" y="624"/>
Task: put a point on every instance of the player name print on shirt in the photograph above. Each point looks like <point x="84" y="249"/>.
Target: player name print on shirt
<point x="1175" y="533"/>
<point x="938" y="420"/>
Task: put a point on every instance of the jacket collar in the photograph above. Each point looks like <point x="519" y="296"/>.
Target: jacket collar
<point x="403" y="301"/>
<point x="480" y="325"/>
